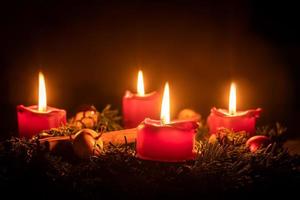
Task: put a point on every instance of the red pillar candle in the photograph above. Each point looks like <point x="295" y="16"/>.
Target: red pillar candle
<point x="34" y="119"/>
<point x="232" y="119"/>
<point x="163" y="140"/>
<point x="137" y="107"/>
<point x="31" y="121"/>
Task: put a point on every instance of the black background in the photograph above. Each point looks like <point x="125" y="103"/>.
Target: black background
<point x="90" y="53"/>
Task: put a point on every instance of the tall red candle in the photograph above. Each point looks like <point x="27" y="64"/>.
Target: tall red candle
<point x="137" y="107"/>
<point x="163" y="140"/>
<point x="34" y="119"/>
<point x="232" y="119"/>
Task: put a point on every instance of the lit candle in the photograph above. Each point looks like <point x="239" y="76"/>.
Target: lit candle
<point x="137" y="107"/>
<point x="36" y="118"/>
<point x="232" y="119"/>
<point x="165" y="140"/>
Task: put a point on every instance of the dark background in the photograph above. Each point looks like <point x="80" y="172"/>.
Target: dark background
<point x="90" y="54"/>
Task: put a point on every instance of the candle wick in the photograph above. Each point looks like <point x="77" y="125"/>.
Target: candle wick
<point x="163" y="121"/>
<point x="231" y="112"/>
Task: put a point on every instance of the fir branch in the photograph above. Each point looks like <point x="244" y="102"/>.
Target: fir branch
<point x="276" y="133"/>
<point x="221" y="167"/>
<point x="109" y="120"/>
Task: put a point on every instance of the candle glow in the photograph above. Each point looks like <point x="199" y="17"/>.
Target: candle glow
<point x="140" y="84"/>
<point x="36" y="118"/>
<point x="42" y="105"/>
<point x="165" y="106"/>
<point x="232" y="119"/>
<point x="165" y="140"/>
<point x="138" y="106"/>
<point x="232" y="99"/>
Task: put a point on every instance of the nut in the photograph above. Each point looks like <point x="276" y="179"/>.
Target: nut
<point x="189" y="114"/>
<point x="86" y="143"/>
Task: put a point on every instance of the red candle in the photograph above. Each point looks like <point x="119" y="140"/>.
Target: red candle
<point x="163" y="140"/>
<point x="34" y="119"/>
<point x="232" y="119"/>
<point x="137" y="107"/>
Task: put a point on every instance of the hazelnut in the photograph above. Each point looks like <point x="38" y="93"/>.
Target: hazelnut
<point x="189" y="114"/>
<point x="86" y="143"/>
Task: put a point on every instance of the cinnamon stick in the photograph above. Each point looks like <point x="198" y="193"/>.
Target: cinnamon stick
<point x="114" y="137"/>
<point x="118" y="137"/>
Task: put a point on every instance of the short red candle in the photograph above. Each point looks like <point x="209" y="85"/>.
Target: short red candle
<point x="241" y="121"/>
<point x="232" y="119"/>
<point x="31" y="121"/>
<point x="173" y="142"/>
<point x="162" y="140"/>
<point x="34" y="119"/>
<point x="137" y="107"/>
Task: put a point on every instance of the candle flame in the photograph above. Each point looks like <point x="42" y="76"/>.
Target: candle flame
<point x="140" y="84"/>
<point x="165" y="106"/>
<point x="42" y="93"/>
<point x="232" y="99"/>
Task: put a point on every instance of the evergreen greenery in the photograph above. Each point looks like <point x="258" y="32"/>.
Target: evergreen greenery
<point x="223" y="168"/>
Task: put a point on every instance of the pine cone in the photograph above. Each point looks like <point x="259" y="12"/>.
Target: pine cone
<point x="226" y="136"/>
<point x="87" y="117"/>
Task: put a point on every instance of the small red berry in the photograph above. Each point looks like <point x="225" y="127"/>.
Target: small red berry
<point x="257" y="141"/>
